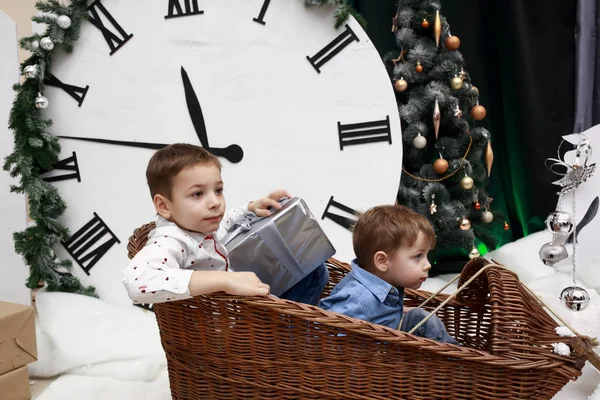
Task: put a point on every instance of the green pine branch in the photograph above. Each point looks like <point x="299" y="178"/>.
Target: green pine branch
<point x="36" y="150"/>
<point x="343" y="12"/>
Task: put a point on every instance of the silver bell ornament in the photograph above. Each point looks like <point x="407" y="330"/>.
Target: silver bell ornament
<point x="41" y="101"/>
<point x="63" y="22"/>
<point x="560" y="223"/>
<point x="30" y="71"/>
<point x="46" y="43"/>
<point x="551" y="253"/>
<point x="474" y="253"/>
<point x="575" y="298"/>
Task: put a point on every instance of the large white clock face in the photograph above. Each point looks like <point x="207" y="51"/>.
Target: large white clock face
<point x="285" y="99"/>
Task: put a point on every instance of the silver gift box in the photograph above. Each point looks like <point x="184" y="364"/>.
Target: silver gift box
<point x="280" y="249"/>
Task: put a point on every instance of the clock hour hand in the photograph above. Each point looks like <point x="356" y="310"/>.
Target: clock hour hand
<point x="232" y="153"/>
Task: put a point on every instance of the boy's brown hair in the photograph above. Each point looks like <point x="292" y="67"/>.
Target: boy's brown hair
<point x="387" y="228"/>
<point x="166" y="163"/>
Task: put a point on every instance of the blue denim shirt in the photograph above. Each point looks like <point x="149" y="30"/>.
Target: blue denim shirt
<point x="364" y="296"/>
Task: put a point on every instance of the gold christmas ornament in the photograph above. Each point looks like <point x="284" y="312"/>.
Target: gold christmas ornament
<point x="452" y="43"/>
<point x="478" y="112"/>
<point x="466" y="182"/>
<point x="474" y="253"/>
<point x="474" y="88"/>
<point x="419" y="141"/>
<point x="456" y="83"/>
<point x="424" y="23"/>
<point x="487" y="216"/>
<point x="400" y="85"/>
<point x="465" y="224"/>
<point x="419" y="67"/>
<point x="489" y="158"/>
<point x="440" y="166"/>
<point x="437" y="28"/>
<point x="437" y="116"/>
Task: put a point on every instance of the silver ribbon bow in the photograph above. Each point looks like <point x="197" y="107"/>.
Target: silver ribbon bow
<point x="573" y="175"/>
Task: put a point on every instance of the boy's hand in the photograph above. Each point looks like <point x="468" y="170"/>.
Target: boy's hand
<point x="260" y="207"/>
<point x="246" y="284"/>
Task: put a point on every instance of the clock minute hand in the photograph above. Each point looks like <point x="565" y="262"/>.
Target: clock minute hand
<point x="232" y="153"/>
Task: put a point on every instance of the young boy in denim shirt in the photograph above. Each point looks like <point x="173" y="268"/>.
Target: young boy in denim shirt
<point x="391" y="245"/>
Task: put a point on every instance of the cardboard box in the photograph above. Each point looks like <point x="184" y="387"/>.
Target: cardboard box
<point x="18" y="346"/>
<point x="14" y="385"/>
<point x="280" y="249"/>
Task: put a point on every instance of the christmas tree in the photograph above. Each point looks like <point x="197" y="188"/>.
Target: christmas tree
<point x="447" y="157"/>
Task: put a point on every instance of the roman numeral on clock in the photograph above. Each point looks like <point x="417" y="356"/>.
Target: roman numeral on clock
<point x="76" y="92"/>
<point x="328" y="52"/>
<point x="262" y="13"/>
<point x="85" y="245"/>
<point x="114" y="41"/>
<point x="345" y="222"/>
<point x="365" y="132"/>
<point x="189" y="8"/>
<point x="69" y="164"/>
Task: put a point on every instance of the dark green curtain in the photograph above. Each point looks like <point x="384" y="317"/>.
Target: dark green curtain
<point x="521" y="56"/>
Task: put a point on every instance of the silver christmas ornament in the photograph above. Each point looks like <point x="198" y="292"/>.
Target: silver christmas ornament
<point x="575" y="298"/>
<point x="30" y="71"/>
<point x="474" y="253"/>
<point x="551" y="253"/>
<point x="487" y="216"/>
<point x="560" y="223"/>
<point x="419" y="141"/>
<point x="63" y="22"/>
<point x="41" y="101"/>
<point x="46" y="43"/>
<point x="35" y="44"/>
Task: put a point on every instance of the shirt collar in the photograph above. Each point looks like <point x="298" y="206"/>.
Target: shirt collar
<point x="166" y="227"/>
<point x="380" y="288"/>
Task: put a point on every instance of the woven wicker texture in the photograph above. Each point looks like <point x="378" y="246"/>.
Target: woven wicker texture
<point x="226" y="347"/>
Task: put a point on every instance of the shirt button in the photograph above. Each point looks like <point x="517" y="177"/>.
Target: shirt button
<point x="175" y="285"/>
<point x="394" y="291"/>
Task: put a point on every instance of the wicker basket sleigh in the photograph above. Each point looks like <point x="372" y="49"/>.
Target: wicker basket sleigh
<point x="227" y="347"/>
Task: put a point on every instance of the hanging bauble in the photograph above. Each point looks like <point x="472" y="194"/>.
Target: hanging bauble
<point x="506" y="226"/>
<point x="474" y="88"/>
<point x="419" y="67"/>
<point x="432" y="206"/>
<point x="437" y="117"/>
<point x="456" y="83"/>
<point x="46" y="43"/>
<point x="489" y="158"/>
<point x="35" y="44"/>
<point x="437" y="28"/>
<point x="424" y="23"/>
<point x="41" y="101"/>
<point x="474" y="253"/>
<point x="452" y="42"/>
<point x="575" y="298"/>
<point x="560" y="223"/>
<point x="30" y="71"/>
<point x="487" y="216"/>
<point x="440" y="166"/>
<point x="477" y="205"/>
<point x="467" y="182"/>
<point x="464" y="224"/>
<point x="419" y="141"/>
<point x="478" y="112"/>
<point x="63" y="22"/>
<point x="400" y="85"/>
<point x="551" y="253"/>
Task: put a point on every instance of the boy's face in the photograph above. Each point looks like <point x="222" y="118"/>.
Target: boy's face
<point x="196" y="203"/>
<point x="408" y="266"/>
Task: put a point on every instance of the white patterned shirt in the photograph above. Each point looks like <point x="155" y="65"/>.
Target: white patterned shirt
<point x="162" y="270"/>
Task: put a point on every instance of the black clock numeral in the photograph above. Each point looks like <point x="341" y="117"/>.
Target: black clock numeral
<point x="175" y="9"/>
<point x="85" y="238"/>
<point x="114" y="41"/>
<point x="262" y="13"/>
<point x="365" y="132"/>
<point x="68" y="164"/>
<point x="328" y="52"/>
<point x="344" y="222"/>
<point x="148" y="307"/>
<point x="76" y="92"/>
